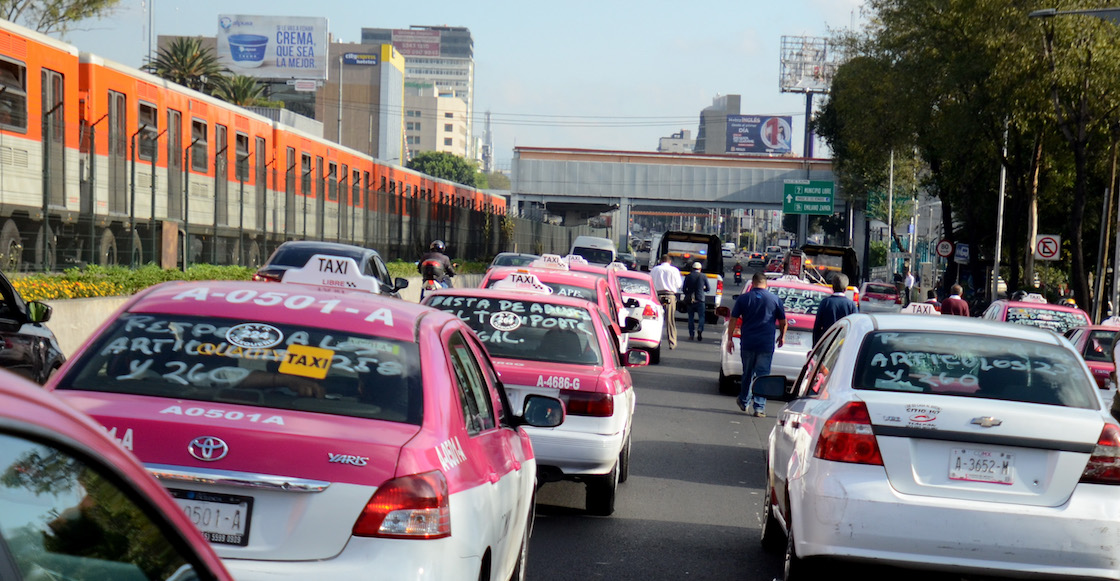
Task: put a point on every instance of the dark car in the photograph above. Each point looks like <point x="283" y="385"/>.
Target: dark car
<point x="512" y="259"/>
<point x="296" y="253"/>
<point x="27" y="346"/>
<point x="628" y="259"/>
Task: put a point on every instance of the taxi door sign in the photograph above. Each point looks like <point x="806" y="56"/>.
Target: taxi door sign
<point x="307" y="361"/>
<point x="333" y="271"/>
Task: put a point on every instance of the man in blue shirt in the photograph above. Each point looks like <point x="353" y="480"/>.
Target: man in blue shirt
<point x="694" y="287"/>
<point x="757" y="311"/>
<point x="834" y="307"/>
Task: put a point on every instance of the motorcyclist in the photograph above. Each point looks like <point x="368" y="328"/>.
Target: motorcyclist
<point x="435" y="265"/>
<point x="738" y="270"/>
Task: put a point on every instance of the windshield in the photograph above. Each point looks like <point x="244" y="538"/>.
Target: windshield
<point x="1002" y="368"/>
<point x="253" y="363"/>
<point x="1099" y="346"/>
<point x="800" y="301"/>
<point x="531" y="329"/>
<point x="1057" y="321"/>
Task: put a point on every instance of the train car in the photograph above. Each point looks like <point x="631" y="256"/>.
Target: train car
<point x="39" y="136"/>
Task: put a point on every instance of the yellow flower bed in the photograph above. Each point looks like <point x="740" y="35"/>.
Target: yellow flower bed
<point x="40" y="289"/>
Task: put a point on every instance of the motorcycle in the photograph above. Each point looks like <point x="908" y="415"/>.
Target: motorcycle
<point x="428" y="286"/>
<point x="739" y="277"/>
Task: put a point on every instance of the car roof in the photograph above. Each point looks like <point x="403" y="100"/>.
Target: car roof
<point x="548" y="274"/>
<point x="1043" y="306"/>
<point x="516" y="296"/>
<point x="357" y="312"/>
<point x="958" y="325"/>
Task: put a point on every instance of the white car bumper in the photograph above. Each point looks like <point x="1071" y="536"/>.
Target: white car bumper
<point x="850" y="510"/>
<point x="788" y="359"/>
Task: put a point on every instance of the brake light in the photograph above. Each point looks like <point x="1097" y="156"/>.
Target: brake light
<point x="261" y="277"/>
<point x="649" y="312"/>
<point x="898" y="299"/>
<point x="409" y="507"/>
<point x="847" y="437"/>
<point x="1104" y="462"/>
<point x="599" y="405"/>
<point x="719" y="286"/>
<point x="866" y="298"/>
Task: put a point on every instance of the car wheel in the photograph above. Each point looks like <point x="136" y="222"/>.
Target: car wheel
<point x="796" y="568"/>
<point x="624" y="461"/>
<point x="727" y="384"/>
<point x="772" y="537"/>
<point x="601" y="492"/>
<point x="655" y="355"/>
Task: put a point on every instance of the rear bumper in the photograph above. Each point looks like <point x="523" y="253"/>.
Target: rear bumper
<point x="576" y="453"/>
<point x="851" y="511"/>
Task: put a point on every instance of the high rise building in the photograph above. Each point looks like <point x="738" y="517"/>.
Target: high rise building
<point x="434" y="122"/>
<point x="679" y="142"/>
<point x="711" y="138"/>
<point x="440" y="56"/>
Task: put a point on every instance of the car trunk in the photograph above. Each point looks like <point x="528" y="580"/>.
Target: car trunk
<point x="973" y="448"/>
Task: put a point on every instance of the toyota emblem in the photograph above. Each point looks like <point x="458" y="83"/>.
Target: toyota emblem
<point x="208" y="448"/>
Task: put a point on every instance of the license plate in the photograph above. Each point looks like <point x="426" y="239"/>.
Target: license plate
<point x="981" y="465"/>
<point x="222" y="518"/>
<point x="798" y="338"/>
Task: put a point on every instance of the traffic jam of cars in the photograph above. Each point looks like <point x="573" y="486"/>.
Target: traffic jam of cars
<point x="416" y="436"/>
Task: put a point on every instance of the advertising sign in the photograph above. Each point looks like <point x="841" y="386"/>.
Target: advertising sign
<point x="356" y="58"/>
<point x="416" y="42"/>
<point x="273" y="47"/>
<point x="759" y="134"/>
<point x="808" y="197"/>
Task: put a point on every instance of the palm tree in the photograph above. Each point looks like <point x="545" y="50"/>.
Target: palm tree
<point x="186" y="62"/>
<point x="240" y="90"/>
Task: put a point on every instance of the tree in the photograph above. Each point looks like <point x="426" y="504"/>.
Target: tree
<point x="241" y="90"/>
<point x="54" y="16"/>
<point x="498" y="180"/>
<point x="446" y="166"/>
<point x="186" y="62"/>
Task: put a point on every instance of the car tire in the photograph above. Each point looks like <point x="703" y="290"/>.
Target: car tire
<point x="797" y="568"/>
<point x="773" y="541"/>
<point x="624" y="461"/>
<point x="655" y="355"/>
<point x="601" y="493"/>
<point x="727" y="384"/>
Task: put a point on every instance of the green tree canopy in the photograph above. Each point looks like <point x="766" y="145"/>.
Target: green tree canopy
<point x="446" y="166"/>
<point x="241" y="90"/>
<point x="54" y="16"/>
<point x="186" y="62"/>
<point x="498" y="180"/>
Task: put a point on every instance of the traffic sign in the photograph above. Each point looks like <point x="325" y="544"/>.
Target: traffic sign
<point x="944" y="248"/>
<point x="961" y="255"/>
<point x="808" y="197"/>
<point x="1047" y="247"/>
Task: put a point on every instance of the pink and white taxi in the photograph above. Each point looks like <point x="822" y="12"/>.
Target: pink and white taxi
<point x="638" y="286"/>
<point x="545" y="344"/>
<point x="314" y="432"/>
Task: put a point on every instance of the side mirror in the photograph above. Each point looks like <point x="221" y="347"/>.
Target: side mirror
<point x="542" y="411"/>
<point x="723" y="312"/>
<point x="38" y="312"/>
<point x="400" y="282"/>
<point x="637" y="358"/>
<point x="632" y="325"/>
<point x="769" y="386"/>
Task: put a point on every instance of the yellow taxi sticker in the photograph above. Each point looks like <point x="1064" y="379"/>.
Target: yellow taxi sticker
<point x="307" y="361"/>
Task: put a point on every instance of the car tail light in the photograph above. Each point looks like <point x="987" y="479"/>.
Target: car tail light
<point x="1104" y="462"/>
<point x="409" y="507"/>
<point x="898" y="299"/>
<point x="847" y="437"/>
<point x="866" y="298"/>
<point x="719" y="286"/>
<point x="599" y="405"/>
<point x="649" y="312"/>
<point x="265" y="277"/>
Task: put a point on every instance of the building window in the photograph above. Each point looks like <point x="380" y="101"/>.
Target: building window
<point x="447" y="141"/>
<point x="412" y="126"/>
<point x="449" y="115"/>
<point x="448" y="128"/>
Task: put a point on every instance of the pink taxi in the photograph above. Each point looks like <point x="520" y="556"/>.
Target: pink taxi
<point x="638" y="286"/>
<point x="316" y="432"/>
<point x="1034" y="311"/>
<point x="546" y="344"/>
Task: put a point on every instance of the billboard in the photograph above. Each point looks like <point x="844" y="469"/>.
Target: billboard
<point x="759" y="134"/>
<point x="416" y="42"/>
<point x="808" y="64"/>
<point x="273" y="47"/>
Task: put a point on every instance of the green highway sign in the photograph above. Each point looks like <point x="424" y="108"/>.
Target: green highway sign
<point x="807" y="197"/>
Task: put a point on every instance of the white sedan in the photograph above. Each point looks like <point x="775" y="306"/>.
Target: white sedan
<point x="639" y="286"/>
<point x="944" y="443"/>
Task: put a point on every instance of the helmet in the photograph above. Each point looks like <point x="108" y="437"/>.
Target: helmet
<point x="437" y="246"/>
<point x="1068" y="301"/>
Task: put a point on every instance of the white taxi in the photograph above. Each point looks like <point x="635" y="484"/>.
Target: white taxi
<point x="638" y="286"/>
<point x="314" y="432"/>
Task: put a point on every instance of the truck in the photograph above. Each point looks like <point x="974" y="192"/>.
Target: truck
<point x="686" y="248"/>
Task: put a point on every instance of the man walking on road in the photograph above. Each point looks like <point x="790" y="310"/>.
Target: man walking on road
<point x="759" y="310"/>
<point x="667" y="283"/>
<point x="954" y="304"/>
<point x="834" y="307"/>
<point x="694" y="287"/>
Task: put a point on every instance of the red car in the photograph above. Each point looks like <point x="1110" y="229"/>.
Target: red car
<point x="1094" y="343"/>
<point x="76" y="505"/>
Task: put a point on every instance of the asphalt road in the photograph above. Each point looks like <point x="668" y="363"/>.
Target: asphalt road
<point x="693" y="504"/>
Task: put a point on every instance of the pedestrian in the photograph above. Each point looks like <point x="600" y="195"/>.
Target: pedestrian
<point x="693" y="294"/>
<point x="757" y="311"/>
<point x="954" y="304"/>
<point x="667" y="282"/>
<point x="833" y="307"/>
<point x="909" y="282"/>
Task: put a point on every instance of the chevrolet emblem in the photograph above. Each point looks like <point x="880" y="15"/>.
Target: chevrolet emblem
<point x="987" y="421"/>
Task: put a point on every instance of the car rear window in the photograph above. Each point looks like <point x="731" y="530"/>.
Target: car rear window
<point x="988" y="367"/>
<point x="527" y="328"/>
<point x="594" y="255"/>
<point x="1099" y="346"/>
<point x="299" y="255"/>
<point x="1055" y="320"/>
<point x="635" y="286"/>
<point x="800" y="301"/>
<point x="254" y="363"/>
<point x="561" y="290"/>
<point x="881" y="289"/>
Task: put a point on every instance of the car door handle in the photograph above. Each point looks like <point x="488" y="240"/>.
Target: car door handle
<point x="494" y="478"/>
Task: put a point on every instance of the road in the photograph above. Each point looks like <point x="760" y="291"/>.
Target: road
<point x="692" y="506"/>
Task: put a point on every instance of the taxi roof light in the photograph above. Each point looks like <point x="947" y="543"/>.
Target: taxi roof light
<point x="410" y="507"/>
<point x="333" y="271"/>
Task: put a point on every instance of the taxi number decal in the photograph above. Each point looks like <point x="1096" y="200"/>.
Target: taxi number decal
<point x="272" y="298"/>
<point x="558" y="382"/>
<point x="450" y="454"/>
<point x="125" y="440"/>
<point x="176" y="410"/>
<point x="254" y="335"/>
<point x="307" y="361"/>
<point x="505" y="321"/>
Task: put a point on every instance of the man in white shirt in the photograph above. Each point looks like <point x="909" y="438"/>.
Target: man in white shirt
<point x="667" y="283"/>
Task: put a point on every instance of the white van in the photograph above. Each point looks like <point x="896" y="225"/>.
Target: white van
<point x="595" y="250"/>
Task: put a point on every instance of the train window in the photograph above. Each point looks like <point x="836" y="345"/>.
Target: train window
<point x="332" y="182"/>
<point x="118" y="153"/>
<point x="148" y="119"/>
<point x="174" y="163"/>
<point x="221" y="174"/>
<point x="290" y="191"/>
<point x="305" y="179"/>
<point x="13" y="99"/>
<point x="200" y="151"/>
<point x="241" y="166"/>
<point x="356" y="188"/>
<point x="261" y="182"/>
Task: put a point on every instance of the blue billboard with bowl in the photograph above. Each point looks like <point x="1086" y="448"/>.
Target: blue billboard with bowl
<point x="273" y="47"/>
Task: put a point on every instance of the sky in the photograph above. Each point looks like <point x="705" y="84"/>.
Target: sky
<point x="607" y="74"/>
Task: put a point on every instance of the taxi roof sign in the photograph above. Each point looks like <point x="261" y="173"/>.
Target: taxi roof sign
<point x="1033" y="298"/>
<point x="553" y="261"/>
<point x="522" y="281"/>
<point x="576" y="259"/>
<point x="920" y="309"/>
<point x="333" y="271"/>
